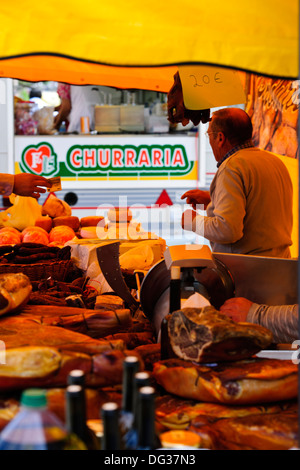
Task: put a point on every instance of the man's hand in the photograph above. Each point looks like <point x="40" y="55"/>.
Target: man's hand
<point x="197" y="196"/>
<point x="187" y="219"/>
<point x="26" y="184"/>
<point x="236" y="308"/>
<point x="177" y="112"/>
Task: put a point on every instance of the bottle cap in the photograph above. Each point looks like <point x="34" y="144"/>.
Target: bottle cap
<point x="34" y="398"/>
<point x="109" y="409"/>
<point x="142" y="376"/>
<point x="76" y="373"/>
<point x="76" y="376"/>
<point x="131" y="359"/>
<point x="74" y="389"/>
<point x="147" y="391"/>
<point x="109" y="406"/>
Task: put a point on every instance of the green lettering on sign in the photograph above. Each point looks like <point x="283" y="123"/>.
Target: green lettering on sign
<point x="118" y="161"/>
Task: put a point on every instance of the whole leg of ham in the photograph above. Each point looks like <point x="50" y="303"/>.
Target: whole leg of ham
<point x="206" y="335"/>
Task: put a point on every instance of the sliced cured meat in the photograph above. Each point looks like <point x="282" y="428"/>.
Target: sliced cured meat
<point x="245" y="382"/>
<point x="133" y="340"/>
<point x="206" y="335"/>
<point x="15" y="290"/>
<point x="94" y="323"/>
<point x="276" y="431"/>
<point x="28" y="366"/>
<point x="18" y="332"/>
<point x="178" y="413"/>
<point x="42" y="366"/>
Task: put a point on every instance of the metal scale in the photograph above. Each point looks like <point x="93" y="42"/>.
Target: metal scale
<point x="217" y="276"/>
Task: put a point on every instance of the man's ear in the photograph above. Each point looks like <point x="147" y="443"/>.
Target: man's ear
<point x="221" y="138"/>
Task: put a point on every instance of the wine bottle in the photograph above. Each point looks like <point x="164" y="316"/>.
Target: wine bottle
<point x="141" y="379"/>
<point x="175" y="289"/>
<point x="164" y="339"/>
<point x="147" y="437"/>
<point x="111" y="432"/>
<point x="76" y="417"/>
<point x="77" y="377"/>
<point x="131" y="366"/>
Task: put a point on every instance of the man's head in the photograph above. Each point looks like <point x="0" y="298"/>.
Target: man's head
<point x="228" y="127"/>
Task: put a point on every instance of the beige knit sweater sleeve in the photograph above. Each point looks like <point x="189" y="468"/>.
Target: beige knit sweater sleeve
<point x="282" y="320"/>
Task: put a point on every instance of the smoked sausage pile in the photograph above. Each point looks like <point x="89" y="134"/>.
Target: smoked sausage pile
<point x="29" y="253"/>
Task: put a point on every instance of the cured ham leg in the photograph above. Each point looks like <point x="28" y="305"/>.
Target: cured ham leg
<point x="206" y="335"/>
<point x="244" y="382"/>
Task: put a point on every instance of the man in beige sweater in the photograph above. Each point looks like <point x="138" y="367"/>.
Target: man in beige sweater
<point x="249" y="205"/>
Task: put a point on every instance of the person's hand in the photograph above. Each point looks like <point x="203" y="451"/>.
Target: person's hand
<point x="63" y="112"/>
<point x="26" y="184"/>
<point x="177" y="112"/>
<point x="176" y="108"/>
<point x="236" y="308"/>
<point x="196" y="196"/>
<point x="187" y="219"/>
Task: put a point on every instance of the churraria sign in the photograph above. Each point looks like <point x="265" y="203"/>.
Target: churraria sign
<point x="87" y="158"/>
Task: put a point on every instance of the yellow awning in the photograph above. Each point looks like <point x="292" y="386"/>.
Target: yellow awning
<point x="82" y="42"/>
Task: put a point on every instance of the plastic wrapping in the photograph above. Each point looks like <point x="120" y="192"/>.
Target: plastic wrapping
<point x="25" y="123"/>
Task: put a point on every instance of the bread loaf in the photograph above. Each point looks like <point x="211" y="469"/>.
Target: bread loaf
<point x="44" y="222"/>
<point x="90" y="221"/>
<point x="55" y="207"/>
<point x="67" y="220"/>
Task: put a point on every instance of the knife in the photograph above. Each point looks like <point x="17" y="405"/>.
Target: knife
<point x="108" y="259"/>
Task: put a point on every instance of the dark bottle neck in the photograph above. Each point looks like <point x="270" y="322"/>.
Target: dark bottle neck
<point x="175" y="289"/>
<point x="130" y="368"/>
<point x="141" y="379"/>
<point x="146" y="419"/>
<point x="110" y="421"/>
<point x="75" y="411"/>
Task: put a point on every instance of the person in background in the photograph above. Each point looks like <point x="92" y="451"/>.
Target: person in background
<point x="249" y="204"/>
<point x="281" y="320"/>
<point x="64" y="93"/>
<point x="35" y="96"/>
<point x="23" y="184"/>
<point x="79" y="101"/>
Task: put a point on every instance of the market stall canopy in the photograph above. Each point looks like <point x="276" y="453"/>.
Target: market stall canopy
<point x="137" y="44"/>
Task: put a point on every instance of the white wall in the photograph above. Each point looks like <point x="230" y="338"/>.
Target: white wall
<point x="6" y="126"/>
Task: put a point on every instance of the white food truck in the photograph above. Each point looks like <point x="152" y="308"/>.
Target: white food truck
<point x="147" y="170"/>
